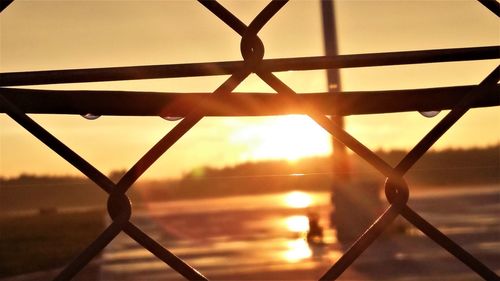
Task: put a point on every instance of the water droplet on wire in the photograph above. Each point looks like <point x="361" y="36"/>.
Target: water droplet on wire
<point x="429" y="114"/>
<point x="171" y="118"/>
<point x="90" y="116"/>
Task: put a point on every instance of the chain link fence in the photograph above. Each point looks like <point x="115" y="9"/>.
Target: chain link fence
<point x="193" y="107"/>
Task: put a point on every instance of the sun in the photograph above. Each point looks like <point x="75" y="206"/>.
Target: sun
<point x="289" y="137"/>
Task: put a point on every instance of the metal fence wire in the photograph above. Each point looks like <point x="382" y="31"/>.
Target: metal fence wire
<point x="193" y="107"/>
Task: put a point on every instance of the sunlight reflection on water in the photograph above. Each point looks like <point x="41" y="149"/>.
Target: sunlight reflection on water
<point x="252" y="233"/>
<point x="298" y="199"/>
<point x="297" y="250"/>
<point x="297" y="223"/>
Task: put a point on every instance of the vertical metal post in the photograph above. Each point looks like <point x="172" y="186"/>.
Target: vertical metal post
<point x="339" y="157"/>
<point x="348" y="216"/>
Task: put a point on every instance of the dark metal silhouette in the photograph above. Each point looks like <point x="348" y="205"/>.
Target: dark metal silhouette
<point x="4" y="4"/>
<point x="491" y="5"/>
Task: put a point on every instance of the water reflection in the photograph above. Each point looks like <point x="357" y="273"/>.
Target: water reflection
<point x="297" y="223"/>
<point x="252" y="234"/>
<point x="297" y="250"/>
<point x="298" y="199"/>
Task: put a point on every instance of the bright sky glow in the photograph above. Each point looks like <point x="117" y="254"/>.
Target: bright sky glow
<point x="286" y="137"/>
<point x="37" y="35"/>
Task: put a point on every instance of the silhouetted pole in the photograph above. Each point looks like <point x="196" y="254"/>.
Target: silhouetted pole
<point x="356" y="203"/>
<point x="344" y="214"/>
<point x="339" y="156"/>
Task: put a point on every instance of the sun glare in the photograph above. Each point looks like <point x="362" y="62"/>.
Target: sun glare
<point x="298" y="199"/>
<point x="297" y="250"/>
<point x="297" y="223"/>
<point x="288" y="137"/>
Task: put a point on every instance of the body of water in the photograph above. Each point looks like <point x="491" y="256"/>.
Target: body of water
<point x="262" y="237"/>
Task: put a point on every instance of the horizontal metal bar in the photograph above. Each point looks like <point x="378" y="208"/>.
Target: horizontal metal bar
<point x="193" y="116"/>
<point x="226" y="68"/>
<point x="55" y="144"/>
<point x="329" y="126"/>
<point x="461" y="107"/>
<point x="241" y="104"/>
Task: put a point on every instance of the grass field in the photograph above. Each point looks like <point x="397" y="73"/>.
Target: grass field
<point x="34" y="243"/>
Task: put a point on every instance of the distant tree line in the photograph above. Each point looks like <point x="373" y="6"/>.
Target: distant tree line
<point x="445" y="168"/>
<point x="33" y="192"/>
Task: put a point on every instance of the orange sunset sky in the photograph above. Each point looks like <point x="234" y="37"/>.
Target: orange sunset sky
<point x="41" y="35"/>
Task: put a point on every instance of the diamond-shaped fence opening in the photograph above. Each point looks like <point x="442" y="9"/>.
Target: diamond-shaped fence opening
<point x="192" y="108"/>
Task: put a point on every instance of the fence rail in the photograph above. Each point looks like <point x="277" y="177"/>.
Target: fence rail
<point x="193" y="107"/>
<point x="244" y="104"/>
<point x="226" y="68"/>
